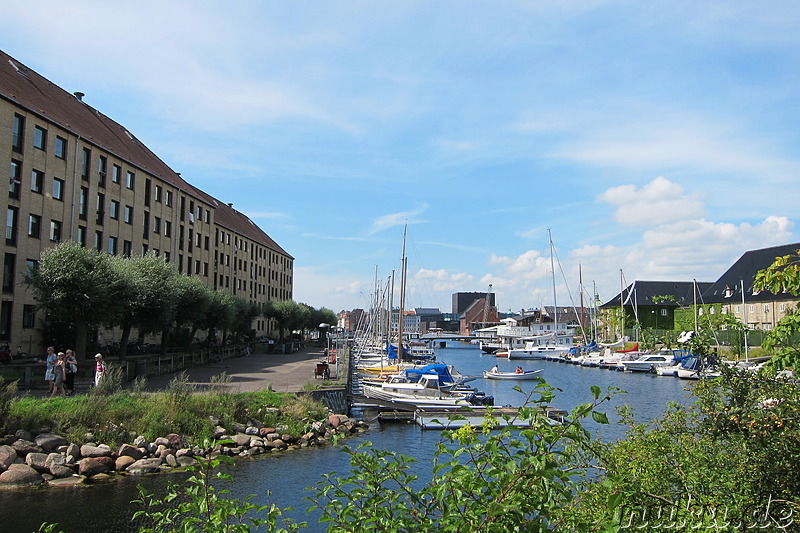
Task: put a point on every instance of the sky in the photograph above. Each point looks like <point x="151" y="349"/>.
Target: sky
<point x="646" y="140"/>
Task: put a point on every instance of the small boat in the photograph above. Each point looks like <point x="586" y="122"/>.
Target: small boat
<point x="527" y="374"/>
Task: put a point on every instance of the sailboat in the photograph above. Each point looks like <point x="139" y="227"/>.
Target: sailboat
<point x="553" y="345"/>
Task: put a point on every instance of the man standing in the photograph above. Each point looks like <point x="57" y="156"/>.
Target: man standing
<point x="49" y="374"/>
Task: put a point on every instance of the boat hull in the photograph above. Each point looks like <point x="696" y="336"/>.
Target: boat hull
<point x="513" y="376"/>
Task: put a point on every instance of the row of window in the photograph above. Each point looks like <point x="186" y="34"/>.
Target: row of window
<point x="751" y="308"/>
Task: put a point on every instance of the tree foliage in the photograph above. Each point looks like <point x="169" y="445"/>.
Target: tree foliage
<point x="783" y="276"/>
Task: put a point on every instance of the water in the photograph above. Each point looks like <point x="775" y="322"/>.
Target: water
<point x="105" y="507"/>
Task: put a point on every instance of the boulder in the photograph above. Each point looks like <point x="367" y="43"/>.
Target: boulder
<point x="161" y="441"/>
<point x="184" y="452"/>
<point x="22" y="434"/>
<point x="70" y="481"/>
<point x="185" y="460"/>
<point x="74" y="450"/>
<point x="175" y="441"/>
<point x="279" y="443"/>
<point x="123" y="462"/>
<point x="50" y="441"/>
<point x="24" y="447"/>
<point x="7" y="456"/>
<point x="59" y="471"/>
<point x="146" y="466"/>
<point x="219" y="432"/>
<point x="241" y="439"/>
<point x="334" y="421"/>
<point x="89" y="451"/>
<point x="37" y="461"/>
<point x="256" y="442"/>
<point x="19" y="475"/>
<point x="251" y="430"/>
<point x="238" y="428"/>
<point x="140" y="442"/>
<point x="91" y="466"/>
<point x="130" y="451"/>
<point x="171" y="460"/>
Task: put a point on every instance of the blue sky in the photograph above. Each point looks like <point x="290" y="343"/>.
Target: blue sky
<point x="658" y="138"/>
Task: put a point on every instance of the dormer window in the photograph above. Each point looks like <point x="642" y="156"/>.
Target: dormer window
<point x="728" y="291"/>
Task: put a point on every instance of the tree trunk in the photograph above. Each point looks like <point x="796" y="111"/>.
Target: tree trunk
<point x="164" y="340"/>
<point x="123" y="341"/>
<point x="81" y="340"/>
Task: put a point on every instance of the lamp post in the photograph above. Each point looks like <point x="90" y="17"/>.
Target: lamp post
<point x="326" y="327"/>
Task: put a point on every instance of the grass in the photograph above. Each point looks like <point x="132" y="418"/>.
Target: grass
<point x="118" y="417"/>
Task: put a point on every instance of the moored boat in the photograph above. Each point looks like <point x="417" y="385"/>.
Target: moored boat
<point x="527" y="374"/>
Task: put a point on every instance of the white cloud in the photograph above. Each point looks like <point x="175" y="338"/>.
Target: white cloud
<point x="397" y="219"/>
<point x="657" y="202"/>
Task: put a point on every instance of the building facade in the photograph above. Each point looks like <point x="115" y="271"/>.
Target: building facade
<point x="75" y="174"/>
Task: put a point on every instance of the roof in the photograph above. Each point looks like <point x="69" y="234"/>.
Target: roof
<point x="27" y="89"/>
<point x="648" y="293"/>
<point x="728" y="288"/>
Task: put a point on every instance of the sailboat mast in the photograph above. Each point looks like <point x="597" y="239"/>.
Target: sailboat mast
<point x="402" y="299"/>
<point x="580" y="284"/>
<point x="553" y="270"/>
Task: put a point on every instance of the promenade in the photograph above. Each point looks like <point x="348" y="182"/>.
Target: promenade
<point x="283" y="372"/>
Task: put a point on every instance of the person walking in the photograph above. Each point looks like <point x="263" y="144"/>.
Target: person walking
<point x="50" y="360"/>
<point x="100" y="369"/>
<point x="71" y="368"/>
<point x="59" y="373"/>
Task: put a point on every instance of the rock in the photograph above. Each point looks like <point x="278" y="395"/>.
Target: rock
<point x="184" y="452"/>
<point x="185" y="460"/>
<point x="70" y="481"/>
<point x="263" y="432"/>
<point x="197" y="451"/>
<point x="219" y="431"/>
<point x="130" y="451"/>
<point x="140" y="442"/>
<point x="88" y="437"/>
<point x="163" y="453"/>
<point x="102" y="476"/>
<point x="74" y="450"/>
<point x="7" y="456"/>
<point x="91" y="466"/>
<point x="37" y="461"/>
<point x="146" y="466"/>
<point x="50" y="441"/>
<point x="334" y="421"/>
<point x="22" y="434"/>
<point x="19" y="475"/>
<point x="88" y="450"/>
<point x="175" y="441"/>
<point x="24" y="447"/>
<point x="272" y="436"/>
<point x="61" y="471"/>
<point x="241" y="439"/>
<point x="161" y="441"/>
<point x="287" y="438"/>
<point x="279" y="443"/>
<point x="256" y="442"/>
<point x="123" y="462"/>
<point x="171" y="460"/>
<point x="238" y="428"/>
<point x="251" y="430"/>
<point x="159" y="452"/>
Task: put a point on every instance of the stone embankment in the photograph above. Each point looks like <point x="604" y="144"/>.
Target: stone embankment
<point x="28" y="459"/>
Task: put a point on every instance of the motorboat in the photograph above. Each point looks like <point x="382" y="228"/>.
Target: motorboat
<point x="518" y="376"/>
<point x="649" y="362"/>
<point x="425" y="392"/>
<point x="697" y="368"/>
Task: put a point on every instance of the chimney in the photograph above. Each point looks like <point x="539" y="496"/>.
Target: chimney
<point x="230" y="205"/>
<point x="78" y="95"/>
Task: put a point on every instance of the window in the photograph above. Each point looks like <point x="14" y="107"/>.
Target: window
<point x="167" y="228"/>
<point x="83" y="203"/>
<point x="663" y="312"/>
<point x="98" y="240"/>
<point x="782" y="307"/>
<point x="39" y="138"/>
<point x="102" y="167"/>
<point x="116" y="172"/>
<point x="751" y="308"/>
<point x="197" y="266"/>
<point x="112" y="245"/>
<point x="128" y="214"/>
<point x="58" y="189"/>
<point x="82" y="235"/>
<point x="11" y="226"/>
<point x="169" y="198"/>
<point x="208" y="216"/>
<point x="198" y="240"/>
<point x="713" y="310"/>
<point x="130" y="178"/>
<point x="113" y="210"/>
<point x="766" y="309"/>
<point x="127" y="248"/>
<point x="101" y="206"/>
<point x="147" y="185"/>
<point x="37" y="181"/>
<point x="86" y="164"/>
<point x="166" y="257"/>
<point x="725" y="310"/>
<point x="55" y="230"/>
<point x="157" y="194"/>
<point x="156" y="225"/>
<point x="34" y="225"/>
<point x="146" y="226"/>
<point x="207" y="242"/>
<point x="17" y="133"/>
<point x="9" y="266"/>
<point x="144" y="250"/>
<point x="28" y="316"/>
<point x="15" y="181"/>
<point x="61" y="147"/>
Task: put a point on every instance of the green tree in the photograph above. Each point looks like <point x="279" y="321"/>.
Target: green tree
<point x="193" y="300"/>
<point x="783" y="275"/>
<point x="78" y="283"/>
<point x="148" y="297"/>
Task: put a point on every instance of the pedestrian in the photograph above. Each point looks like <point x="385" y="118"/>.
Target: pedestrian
<point x="59" y="373"/>
<point x="72" y="369"/>
<point x="49" y="375"/>
<point x="100" y="369"/>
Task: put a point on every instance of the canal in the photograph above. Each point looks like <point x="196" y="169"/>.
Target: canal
<point x="105" y="507"/>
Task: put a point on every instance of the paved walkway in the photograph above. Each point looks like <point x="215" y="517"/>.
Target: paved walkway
<point x="283" y="372"/>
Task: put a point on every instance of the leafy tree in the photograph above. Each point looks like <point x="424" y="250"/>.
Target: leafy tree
<point x="219" y="315"/>
<point x="783" y="275"/>
<point x="76" y="282"/>
<point x="193" y="300"/>
<point x="288" y="315"/>
<point x="148" y="297"/>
